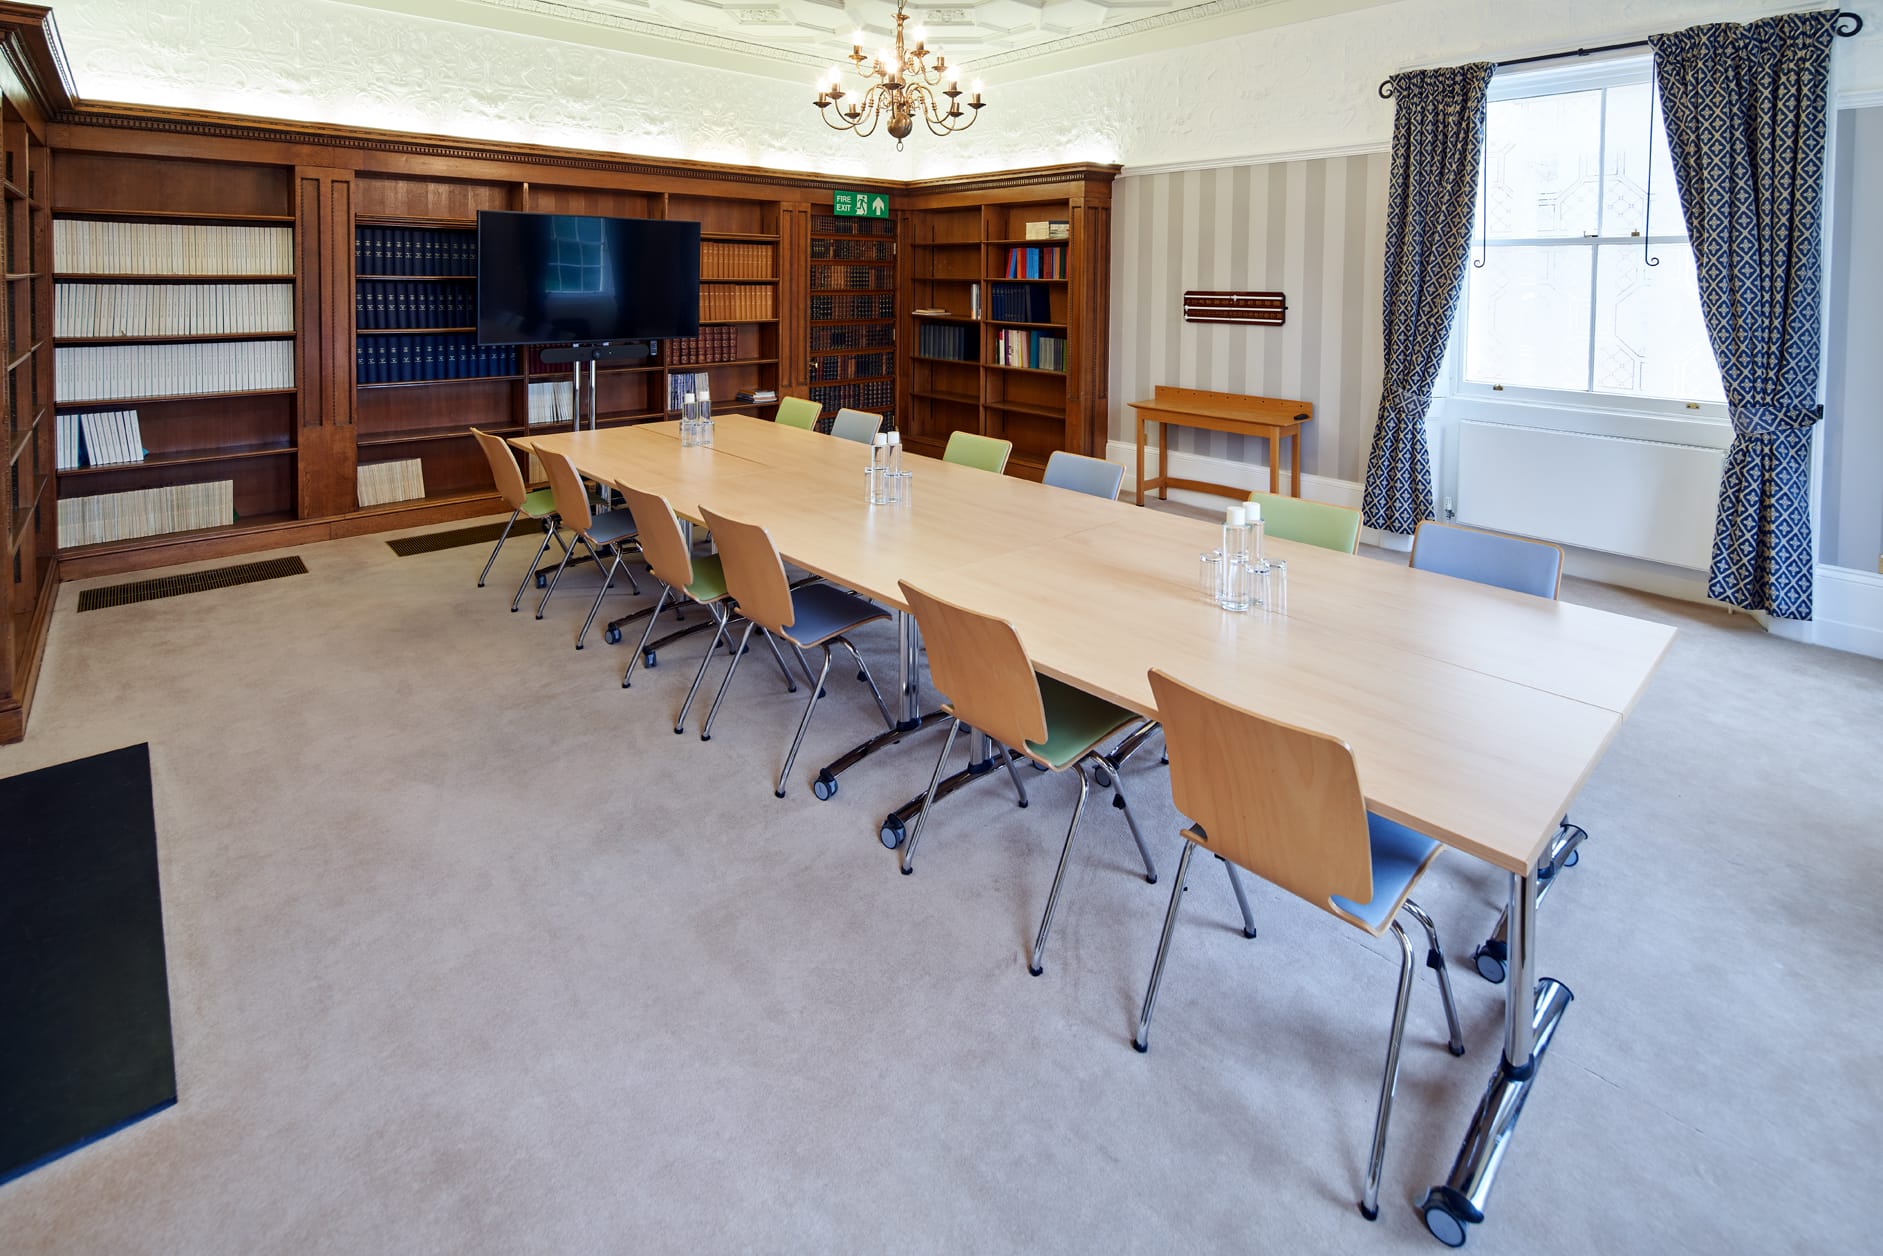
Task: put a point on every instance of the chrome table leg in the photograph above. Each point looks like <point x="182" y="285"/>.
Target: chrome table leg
<point x="982" y="761"/>
<point x="1533" y="1009"/>
<point x="1493" y="956"/>
<point x="910" y="718"/>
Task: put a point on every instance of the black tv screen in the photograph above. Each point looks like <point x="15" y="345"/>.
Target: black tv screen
<point x="556" y="278"/>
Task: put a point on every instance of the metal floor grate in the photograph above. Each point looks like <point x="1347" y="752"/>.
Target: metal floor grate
<point x="194" y="582"/>
<point x="431" y="542"/>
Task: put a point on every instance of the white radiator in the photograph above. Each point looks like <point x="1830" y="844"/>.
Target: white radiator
<point x="1644" y="499"/>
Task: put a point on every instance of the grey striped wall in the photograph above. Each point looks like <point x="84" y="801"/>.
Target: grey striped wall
<point x="1314" y="230"/>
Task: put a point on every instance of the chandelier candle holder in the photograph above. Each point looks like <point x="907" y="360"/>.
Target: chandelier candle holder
<point x="901" y="86"/>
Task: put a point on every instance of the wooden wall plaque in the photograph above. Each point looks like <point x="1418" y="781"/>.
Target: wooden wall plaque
<point x="1256" y="309"/>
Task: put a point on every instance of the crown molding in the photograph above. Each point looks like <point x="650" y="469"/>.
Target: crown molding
<point x="1257" y="159"/>
<point x="40" y="62"/>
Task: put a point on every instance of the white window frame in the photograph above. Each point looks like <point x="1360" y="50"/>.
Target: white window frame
<point x="1613" y="414"/>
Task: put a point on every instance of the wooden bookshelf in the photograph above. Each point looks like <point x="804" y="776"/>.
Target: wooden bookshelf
<point x="851" y="331"/>
<point x="991" y="364"/>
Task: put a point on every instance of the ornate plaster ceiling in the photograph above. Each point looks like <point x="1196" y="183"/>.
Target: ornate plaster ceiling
<point x="781" y="37"/>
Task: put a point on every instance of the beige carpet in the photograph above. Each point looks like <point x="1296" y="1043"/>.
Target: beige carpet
<point x="470" y="953"/>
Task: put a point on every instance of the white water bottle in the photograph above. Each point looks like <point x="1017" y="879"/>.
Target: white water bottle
<point x="689" y="421"/>
<point x="703" y="417"/>
<point x="1257" y="532"/>
<point x="879" y="468"/>
<point x="1233" y="592"/>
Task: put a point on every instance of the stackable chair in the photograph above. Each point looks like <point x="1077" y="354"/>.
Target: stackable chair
<point x="1523" y="566"/>
<point x="799" y="412"/>
<point x="539" y="505"/>
<point x="1285" y="803"/>
<point x="1509" y="562"/>
<point x="1311" y="523"/>
<point x="979" y="662"/>
<point x="1092" y="476"/>
<point x="684" y="577"/>
<point x="805" y="616"/>
<point x="856" y="425"/>
<point x="985" y="453"/>
<point x="612" y="531"/>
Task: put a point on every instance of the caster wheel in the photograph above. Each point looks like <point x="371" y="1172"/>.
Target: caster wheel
<point x="1489" y="966"/>
<point x="778" y="793"/>
<point x="1102" y="779"/>
<point x="650" y="659"/>
<point x="1445" y="1225"/>
<point x="1575" y="857"/>
<point x="892" y="833"/>
<point x="1371" y="1214"/>
<point x="825" y="787"/>
<point x="1038" y="766"/>
<point x="612" y="636"/>
<point x="1140" y="1047"/>
<point x="1032" y="971"/>
<point x="542" y="581"/>
<point x="703" y="736"/>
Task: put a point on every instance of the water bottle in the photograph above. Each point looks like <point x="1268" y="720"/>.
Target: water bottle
<point x="895" y="485"/>
<point x="689" y="421"/>
<point x="879" y="466"/>
<point x="1234" y="592"/>
<point x="703" y="418"/>
<point x="1257" y="533"/>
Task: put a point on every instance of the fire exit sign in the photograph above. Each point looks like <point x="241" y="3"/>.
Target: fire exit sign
<point x="861" y="205"/>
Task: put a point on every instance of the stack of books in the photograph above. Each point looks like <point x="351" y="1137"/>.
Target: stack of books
<point x="1021" y="303"/>
<point x="680" y="383"/>
<point x="383" y="482"/>
<point x="414" y="251"/>
<point x="736" y="303"/>
<point x="161" y="309"/>
<point x="945" y="340"/>
<point x="758" y="396"/>
<point x="83" y="247"/>
<point x="102" y="438"/>
<point x="552" y="401"/>
<point x="441" y="355"/>
<point x="109" y="372"/>
<point x="380" y="303"/>
<point x="1051" y="229"/>
<point x="719" y="260"/>
<point x="145" y="512"/>
<point x="713" y="344"/>
<point x="1034" y="350"/>
<point x="1036" y="263"/>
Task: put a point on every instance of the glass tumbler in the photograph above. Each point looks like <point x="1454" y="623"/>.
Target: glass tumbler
<point x="1210" y="575"/>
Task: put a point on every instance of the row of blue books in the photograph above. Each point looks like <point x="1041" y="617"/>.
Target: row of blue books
<point x="414" y="251"/>
<point x="1020" y="303"/>
<point x="401" y="359"/>
<point x="1036" y="263"/>
<point x="385" y="303"/>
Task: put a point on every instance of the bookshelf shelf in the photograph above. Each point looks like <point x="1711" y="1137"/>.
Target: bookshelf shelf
<point x="1048" y="243"/>
<point x="189" y="457"/>
<point x="125" y="403"/>
<point x="97" y="276"/>
<point x="22" y="439"/>
<point x="432" y="383"/>
<point x="954" y="398"/>
<point x="243" y="522"/>
<point x="1021" y="407"/>
<point x="1024" y="370"/>
<point x="419" y="278"/>
<point x="1012" y="322"/>
<point x="173" y="340"/>
<point x="413" y="331"/>
<point x="170" y="215"/>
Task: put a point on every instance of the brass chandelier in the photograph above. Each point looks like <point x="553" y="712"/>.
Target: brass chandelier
<point x="902" y="86"/>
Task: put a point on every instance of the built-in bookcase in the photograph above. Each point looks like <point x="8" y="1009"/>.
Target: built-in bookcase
<point x="1007" y="323"/>
<point x="852" y="325"/>
<point x="174" y="304"/>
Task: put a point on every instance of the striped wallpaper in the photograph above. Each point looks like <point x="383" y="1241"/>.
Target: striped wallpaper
<point x="1314" y="230"/>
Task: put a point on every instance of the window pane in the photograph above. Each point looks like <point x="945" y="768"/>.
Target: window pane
<point x="1625" y="162"/>
<point x="1543" y="165"/>
<point x="1529" y="318"/>
<point x="1650" y="340"/>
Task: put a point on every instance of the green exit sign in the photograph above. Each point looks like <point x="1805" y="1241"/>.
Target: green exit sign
<point x="862" y="205"/>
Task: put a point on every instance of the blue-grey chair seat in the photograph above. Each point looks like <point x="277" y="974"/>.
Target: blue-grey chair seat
<point x="822" y="611"/>
<point x="611" y="526"/>
<point x="1399" y="856"/>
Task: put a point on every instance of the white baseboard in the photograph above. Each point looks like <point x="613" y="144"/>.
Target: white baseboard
<point x="1847" y="605"/>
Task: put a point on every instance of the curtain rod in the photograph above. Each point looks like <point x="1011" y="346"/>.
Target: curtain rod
<point x="1845" y="24"/>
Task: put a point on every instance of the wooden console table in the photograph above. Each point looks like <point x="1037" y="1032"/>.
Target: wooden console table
<point x="1268" y="417"/>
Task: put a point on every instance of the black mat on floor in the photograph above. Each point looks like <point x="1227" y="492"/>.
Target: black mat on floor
<point x="84" y="1003"/>
<point x="482" y="534"/>
<point x="191" y="582"/>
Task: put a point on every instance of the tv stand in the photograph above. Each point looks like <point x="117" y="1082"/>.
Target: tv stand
<point x="580" y="355"/>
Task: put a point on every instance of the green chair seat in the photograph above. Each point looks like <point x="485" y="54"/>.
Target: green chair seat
<point x="709" y="579"/>
<point x="1310" y="523"/>
<point x="540" y="503"/>
<point x="1075" y="722"/>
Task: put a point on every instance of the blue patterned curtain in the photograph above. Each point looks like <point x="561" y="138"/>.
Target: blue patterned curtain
<point x="1438" y="137"/>
<point x="1745" y="116"/>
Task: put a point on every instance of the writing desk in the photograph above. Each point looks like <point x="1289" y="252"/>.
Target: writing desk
<point x="1475" y="714"/>
<point x="1266" y="418"/>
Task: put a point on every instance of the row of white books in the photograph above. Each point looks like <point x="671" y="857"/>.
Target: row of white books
<point x="101" y="439"/>
<point x="145" y="512"/>
<point x="552" y="401"/>
<point x="84" y="247"/>
<point x="109" y="372"/>
<point x="171" y="309"/>
<point x="383" y="482"/>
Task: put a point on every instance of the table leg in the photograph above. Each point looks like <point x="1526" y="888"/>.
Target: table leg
<point x="910" y="717"/>
<point x="1274" y="465"/>
<point x="1139" y="487"/>
<point x="1163" y="461"/>
<point x="1533" y="1009"/>
<point x="981" y="763"/>
<point x="1294" y="464"/>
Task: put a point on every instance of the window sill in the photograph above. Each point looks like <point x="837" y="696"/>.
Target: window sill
<point x="1703" y="432"/>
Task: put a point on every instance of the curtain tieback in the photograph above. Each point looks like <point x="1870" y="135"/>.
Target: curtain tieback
<point x="1774" y="420"/>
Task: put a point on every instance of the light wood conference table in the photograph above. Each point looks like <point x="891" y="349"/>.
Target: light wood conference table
<point x="1475" y="714"/>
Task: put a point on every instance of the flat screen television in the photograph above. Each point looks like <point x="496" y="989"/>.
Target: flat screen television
<point x="557" y="278"/>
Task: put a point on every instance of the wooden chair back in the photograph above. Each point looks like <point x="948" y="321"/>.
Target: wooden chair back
<point x="660" y="537"/>
<point x="755" y="575"/>
<point x="978" y="661"/>
<point x="1281" y="801"/>
<point x="503" y="469"/>
<point x="799" y="412"/>
<point x="570" y="493"/>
